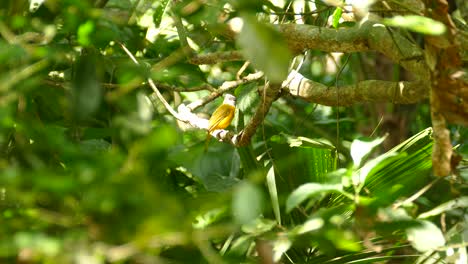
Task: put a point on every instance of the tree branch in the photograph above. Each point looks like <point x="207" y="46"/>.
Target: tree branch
<point x="366" y="36"/>
<point x="364" y="91"/>
<point x="216" y="57"/>
<point x="269" y="95"/>
<point x="225" y="87"/>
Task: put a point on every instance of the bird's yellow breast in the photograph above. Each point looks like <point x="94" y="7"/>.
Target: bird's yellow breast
<point x="221" y="117"/>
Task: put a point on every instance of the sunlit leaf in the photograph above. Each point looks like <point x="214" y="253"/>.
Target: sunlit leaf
<point x="426" y="236"/>
<point x="310" y="225"/>
<point x="361" y="148"/>
<point x="336" y="17"/>
<point x="461" y="202"/>
<point x="359" y="177"/>
<point x="271" y="184"/>
<point x="420" y="24"/>
<point x="84" y="32"/>
<point x="280" y="246"/>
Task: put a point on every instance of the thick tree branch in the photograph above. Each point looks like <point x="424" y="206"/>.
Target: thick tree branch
<point x="367" y="36"/>
<point x="216" y="57"/>
<point x="448" y="90"/>
<point x="442" y="150"/>
<point x="364" y="91"/>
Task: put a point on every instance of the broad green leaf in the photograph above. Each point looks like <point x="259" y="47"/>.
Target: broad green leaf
<point x="359" y="177"/>
<point x="247" y="202"/>
<point x="420" y="24"/>
<point x="361" y="148"/>
<point x="271" y="184"/>
<point x="247" y="98"/>
<point x="412" y="167"/>
<point x="265" y="48"/>
<point x="425" y="237"/>
<point x="309" y="160"/>
<point x="308" y="190"/>
<point x="401" y="171"/>
<point x="461" y="202"/>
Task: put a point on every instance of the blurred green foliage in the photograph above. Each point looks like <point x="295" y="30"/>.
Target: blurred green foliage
<point x="93" y="171"/>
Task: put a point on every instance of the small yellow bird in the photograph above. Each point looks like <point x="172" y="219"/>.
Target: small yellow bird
<point x="222" y="116"/>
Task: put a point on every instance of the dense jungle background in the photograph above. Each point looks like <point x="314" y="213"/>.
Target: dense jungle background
<point x="348" y="145"/>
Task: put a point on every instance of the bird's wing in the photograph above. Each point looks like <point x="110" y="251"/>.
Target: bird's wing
<point x="218" y="116"/>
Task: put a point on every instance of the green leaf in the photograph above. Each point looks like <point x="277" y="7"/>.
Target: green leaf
<point x="271" y="184"/>
<point x="247" y="97"/>
<point x="280" y="246"/>
<point x="312" y="224"/>
<point x="360" y="176"/>
<point x="84" y="32"/>
<point x="247" y="202"/>
<point x="361" y="148"/>
<point x="265" y="48"/>
<point x="336" y="16"/>
<point x="308" y="190"/>
<point x="401" y="171"/>
<point x="309" y="160"/>
<point x="425" y="237"/>
<point x="461" y="202"/>
<point x="418" y="24"/>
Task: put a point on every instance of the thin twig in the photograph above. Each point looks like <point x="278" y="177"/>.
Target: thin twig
<point x="182" y="35"/>
<point x="155" y="89"/>
<point x="173" y="58"/>
<point x="242" y="69"/>
<point x="26" y="72"/>
<point x="417" y="194"/>
<point x="225" y="87"/>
